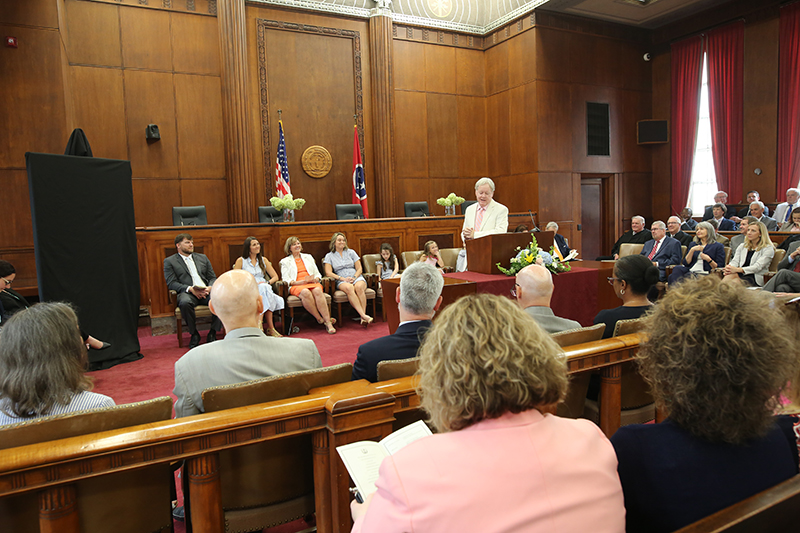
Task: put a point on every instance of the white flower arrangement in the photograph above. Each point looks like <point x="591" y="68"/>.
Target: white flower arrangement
<point x="450" y="200"/>
<point x="287" y="202"/>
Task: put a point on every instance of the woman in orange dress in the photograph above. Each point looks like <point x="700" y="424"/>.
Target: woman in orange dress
<point x="300" y="271"/>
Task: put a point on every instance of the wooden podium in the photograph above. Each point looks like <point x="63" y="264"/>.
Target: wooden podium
<point x="483" y="254"/>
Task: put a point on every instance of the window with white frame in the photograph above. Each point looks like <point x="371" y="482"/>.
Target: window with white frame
<point x="704" y="179"/>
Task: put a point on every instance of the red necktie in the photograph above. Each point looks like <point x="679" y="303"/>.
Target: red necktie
<point x="796" y="265"/>
<point x="653" y="251"/>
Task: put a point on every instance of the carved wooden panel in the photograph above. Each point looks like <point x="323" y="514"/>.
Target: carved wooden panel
<point x="200" y="135"/>
<point x="440" y="69"/>
<point x="442" y="116"/>
<point x="17" y="229"/>
<point x="407" y="60"/>
<point x="102" y="119"/>
<point x="196" y="44"/>
<point x="497" y="130"/>
<point x="145" y="38"/>
<point x="470" y="73"/>
<point x="472" y="137"/>
<point x="443" y="240"/>
<point x="208" y="192"/>
<point x="411" y="140"/>
<point x="523" y="129"/>
<point x="153" y="200"/>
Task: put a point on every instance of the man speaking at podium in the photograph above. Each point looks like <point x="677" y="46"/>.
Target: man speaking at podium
<point x="486" y="217"/>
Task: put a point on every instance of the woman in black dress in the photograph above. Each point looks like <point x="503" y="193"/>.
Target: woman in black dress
<point x="634" y="275"/>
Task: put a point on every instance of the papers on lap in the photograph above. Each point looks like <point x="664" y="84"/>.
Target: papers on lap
<point x="363" y="459"/>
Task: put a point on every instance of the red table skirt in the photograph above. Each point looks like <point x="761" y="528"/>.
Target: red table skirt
<point x="574" y="297"/>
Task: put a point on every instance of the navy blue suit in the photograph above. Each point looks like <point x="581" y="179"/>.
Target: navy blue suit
<point x="402" y="344"/>
<point x="669" y="253"/>
<point x="713" y="249"/>
<point x="726" y="225"/>
<point x="560" y="242"/>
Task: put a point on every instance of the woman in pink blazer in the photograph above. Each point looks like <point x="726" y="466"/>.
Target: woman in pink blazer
<point x="499" y="463"/>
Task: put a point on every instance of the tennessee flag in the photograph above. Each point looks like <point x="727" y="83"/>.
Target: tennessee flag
<point x="359" y="184"/>
<point x="282" y="187"/>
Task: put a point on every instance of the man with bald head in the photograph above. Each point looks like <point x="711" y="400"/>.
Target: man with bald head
<point x="244" y="354"/>
<point x="534" y="290"/>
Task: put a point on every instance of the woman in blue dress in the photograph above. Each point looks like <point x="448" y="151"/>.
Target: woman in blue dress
<point x="260" y="267"/>
<point x="343" y="265"/>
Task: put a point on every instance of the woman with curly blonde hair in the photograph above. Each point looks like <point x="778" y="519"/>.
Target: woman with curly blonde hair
<point x="488" y="376"/>
<point x="717" y="357"/>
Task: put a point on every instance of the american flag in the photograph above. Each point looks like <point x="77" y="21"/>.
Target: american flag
<point x="359" y="184"/>
<point x="282" y="187"/>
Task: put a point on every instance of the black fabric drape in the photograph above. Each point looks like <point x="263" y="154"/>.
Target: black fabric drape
<point x="85" y="244"/>
<point x="78" y="144"/>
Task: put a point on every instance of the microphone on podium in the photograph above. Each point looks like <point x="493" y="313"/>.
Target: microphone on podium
<point x="533" y="221"/>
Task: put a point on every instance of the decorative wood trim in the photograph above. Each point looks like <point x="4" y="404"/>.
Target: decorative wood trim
<point x="194" y="7"/>
<point x="262" y="26"/>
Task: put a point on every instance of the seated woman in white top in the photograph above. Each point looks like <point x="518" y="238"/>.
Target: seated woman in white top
<point x="489" y="376"/>
<point x="42" y="363"/>
<point x="344" y="265"/>
<point x="260" y="267"/>
<point x="752" y="259"/>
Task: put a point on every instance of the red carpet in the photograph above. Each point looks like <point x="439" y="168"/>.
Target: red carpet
<point x="153" y="375"/>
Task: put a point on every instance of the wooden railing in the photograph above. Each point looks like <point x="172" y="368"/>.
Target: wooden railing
<point x="332" y="416"/>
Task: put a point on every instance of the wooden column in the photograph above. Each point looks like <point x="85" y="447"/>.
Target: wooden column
<point x="58" y="510"/>
<point x="610" y="399"/>
<point x="205" y="494"/>
<point x="322" y="481"/>
<point x="381" y="54"/>
<point x="242" y="201"/>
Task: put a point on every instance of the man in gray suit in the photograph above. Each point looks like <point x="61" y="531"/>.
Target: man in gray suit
<point x="191" y="276"/>
<point x="534" y="290"/>
<point x="244" y="354"/>
<point x="757" y="212"/>
<point x="787" y="280"/>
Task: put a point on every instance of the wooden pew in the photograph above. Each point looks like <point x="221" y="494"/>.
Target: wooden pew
<point x="771" y="511"/>
<point x="333" y="416"/>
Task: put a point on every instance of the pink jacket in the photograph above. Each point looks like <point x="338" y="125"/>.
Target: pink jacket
<point x="523" y="472"/>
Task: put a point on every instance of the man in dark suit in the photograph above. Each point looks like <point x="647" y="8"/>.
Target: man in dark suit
<point x="674" y="230"/>
<point x="661" y="250"/>
<point x="191" y="276"/>
<point x="752" y="196"/>
<point x="688" y="223"/>
<point x="418" y="298"/>
<point x="636" y="235"/>
<point x="720" y="198"/>
<point x="718" y="214"/>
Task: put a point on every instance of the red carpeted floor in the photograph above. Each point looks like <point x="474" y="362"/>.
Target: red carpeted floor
<point x="153" y="375"/>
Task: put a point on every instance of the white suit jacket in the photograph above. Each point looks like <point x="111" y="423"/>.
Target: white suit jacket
<point x="495" y="220"/>
<point x="289" y="268"/>
<point x="759" y="264"/>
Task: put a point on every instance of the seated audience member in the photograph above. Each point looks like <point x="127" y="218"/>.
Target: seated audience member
<point x="706" y="255"/>
<point x="787" y="280"/>
<point x="674" y="230"/>
<point x="499" y="463"/>
<point x="752" y="259"/>
<point x="522" y="228"/>
<point x="727" y="211"/>
<point x="784" y="210"/>
<point x="737" y="240"/>
<point x="757" y="212"/>
<point x="661" y="250"/>
<point x="388" y="266"/>
<point x="431" y="255"/>
<point x="484" y="217"/>
<point x="343" y="265"/>
<point x="687" y="222"/>
<point x="636" y="235"/>
<point x="534" y="290"/>
<point x="42" y="364"/>
<point x="634" y="276"/>
<point x="300" y="271"/>
<point x="260" y="267"/>
<point x="245" y="353"/>
<point x="752" y="196"/>
<point x="718" y="382"/>
<point x="12" y="302"/>
<point x="418" y="298"/>
<point x="560" y="244"/>
<point x="722" y="239"/>
<point x="191" y="276"/>
<point x="723" y="224"/>
<point x="794" y="225"/>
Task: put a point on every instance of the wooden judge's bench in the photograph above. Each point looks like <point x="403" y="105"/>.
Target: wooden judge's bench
<point x="222" y="244"/>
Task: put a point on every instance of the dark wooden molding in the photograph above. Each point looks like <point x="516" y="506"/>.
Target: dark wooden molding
<point x="746" y="10"/>
<point x="262" y="26"/>
<point x="194" y="7"/>
<point x="381" y="52"/>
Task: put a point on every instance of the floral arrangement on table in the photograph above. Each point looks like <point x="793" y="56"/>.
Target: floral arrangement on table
<point x="288" y="205"/>
<point x="450" y="202"/>
<point x="531" y="254"/>
<point x="287" y="202"/>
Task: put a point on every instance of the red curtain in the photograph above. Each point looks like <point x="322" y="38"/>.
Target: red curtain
<point x="725" y="48"/>
<point x="687" y="65"/>
<point x="789" y="99"/>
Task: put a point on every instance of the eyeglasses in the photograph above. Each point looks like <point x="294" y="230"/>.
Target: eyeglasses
<point x="8" y="281"/>
<point x="612" y="279"/>
<point x="514" y="290"/>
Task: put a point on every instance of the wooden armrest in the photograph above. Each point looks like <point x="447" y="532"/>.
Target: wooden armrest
<point x="281" y="288"/>
<point x="768" y="276"/>
<point x="669" y="270"/>
<point x="328" y="285"/>
<point x="448" y="269"/>
<point x="173" y="298"/>
<point x="372" y="280"/>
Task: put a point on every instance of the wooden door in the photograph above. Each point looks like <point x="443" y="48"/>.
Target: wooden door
<point x="592" y="219"/>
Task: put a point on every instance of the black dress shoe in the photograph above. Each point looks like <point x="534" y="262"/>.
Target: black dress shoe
<point x="212" y="336"/>
<point x="103" y="347"/>
<point x="195" y="341"/>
